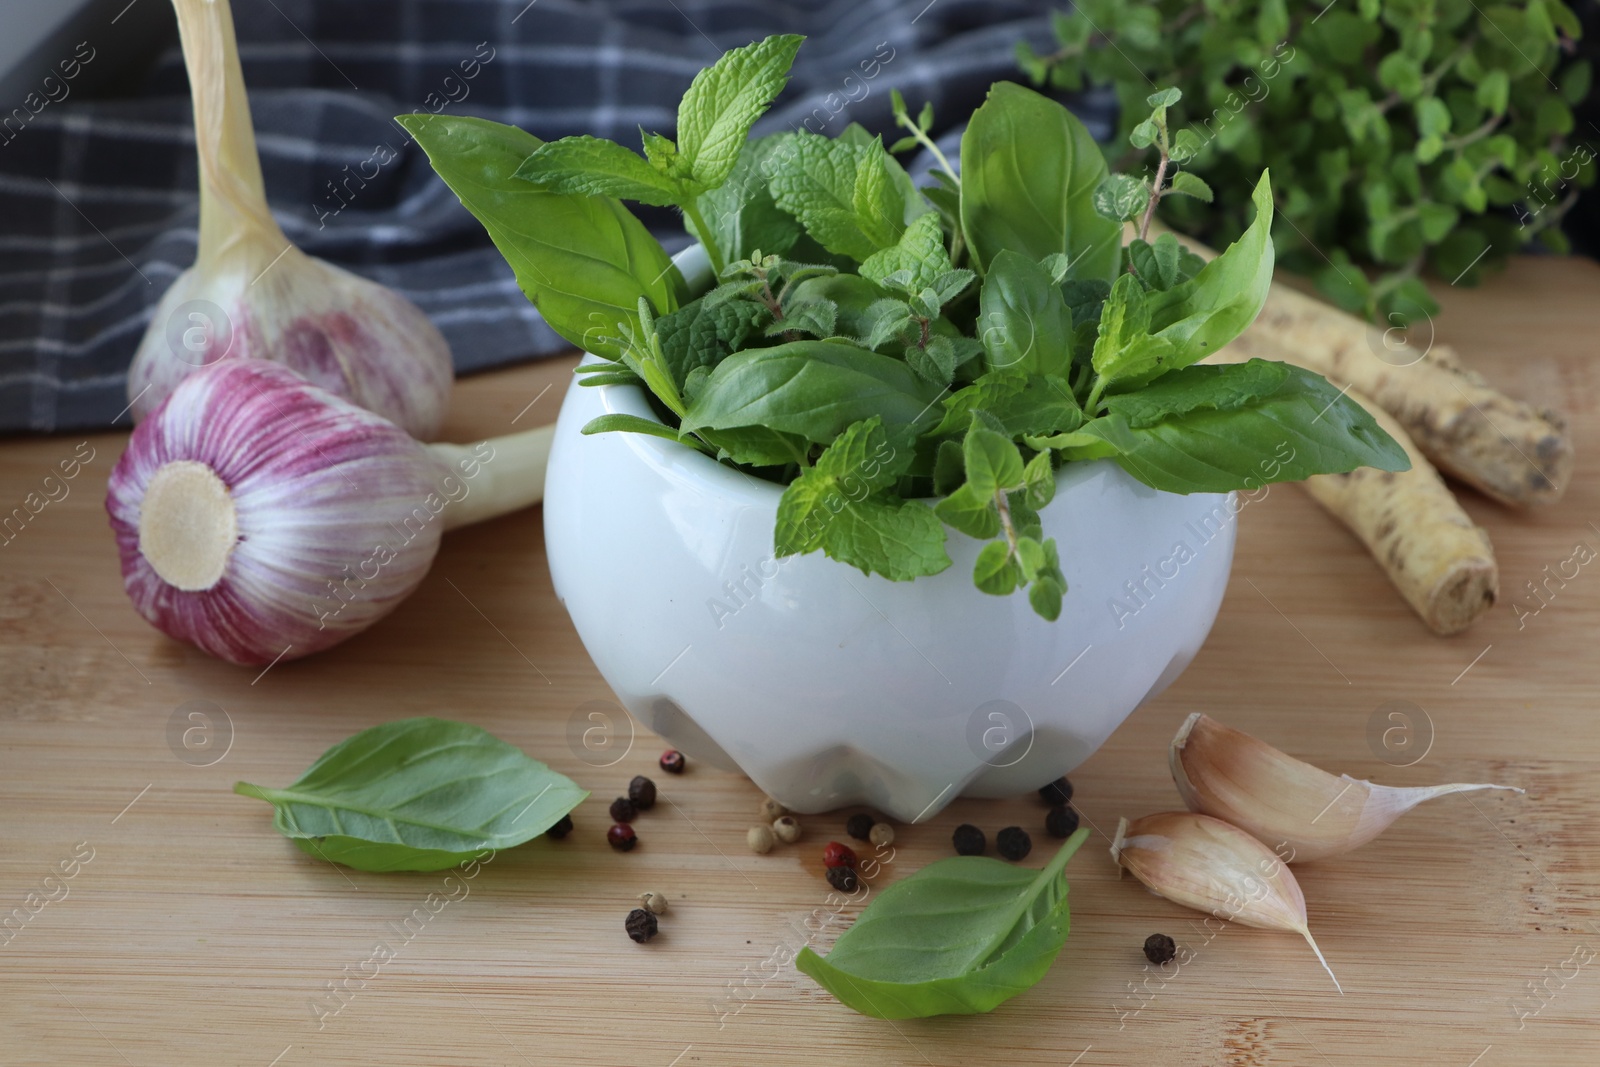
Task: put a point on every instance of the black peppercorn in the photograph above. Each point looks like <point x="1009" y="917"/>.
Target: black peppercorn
<point x="1057" y="792"/>
<point x="621" y="837"/>
<point x="1013" y="843"/>
<point x="859" y="826"/>
<point x="843" y="879"/>
<point x="642" y="791"/>
<point x="672" y="761"/>
<point x="1061" y="822"/>
<point x="641" y="925"/>
<point x="561" y="829"/>
<point x="1159" y="948"/>
<point x="969" y="840"/>
<point x="622" y="810"/>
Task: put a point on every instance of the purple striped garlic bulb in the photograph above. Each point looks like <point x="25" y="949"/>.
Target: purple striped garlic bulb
<point x="253" y="294"/>
<point x="260" y="517"/>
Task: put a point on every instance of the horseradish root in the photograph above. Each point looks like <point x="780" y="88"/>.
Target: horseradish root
<point x="1505" y="448"/>
<point x="260" y="517"/>
<point x="1412" y="524"/>
<point x="1205" y="864"/>
<point x="1301" y="810"/>
<point x="251" y="293"/>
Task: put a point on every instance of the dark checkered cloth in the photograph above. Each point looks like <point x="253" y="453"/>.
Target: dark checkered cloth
<point x="98" y="200"/>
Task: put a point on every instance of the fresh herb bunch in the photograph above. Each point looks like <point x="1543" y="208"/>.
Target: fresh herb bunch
<point x="1418" y="134"/>
<point x="872" y="345"/>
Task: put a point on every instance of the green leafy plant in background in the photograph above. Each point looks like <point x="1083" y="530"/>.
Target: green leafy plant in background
<point x="905" y="360"/>
<point x="1403" y="136"/>
<point x="418" y="795"/>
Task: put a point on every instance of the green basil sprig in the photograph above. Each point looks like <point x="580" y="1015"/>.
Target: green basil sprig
<point x="959" y="937"/>
<point x="418" y="795"/>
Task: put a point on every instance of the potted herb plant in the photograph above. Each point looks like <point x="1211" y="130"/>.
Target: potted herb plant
<point x="917" y="492"/>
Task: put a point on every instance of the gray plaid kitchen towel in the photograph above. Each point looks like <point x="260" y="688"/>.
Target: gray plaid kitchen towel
<point x="99" y="202"/>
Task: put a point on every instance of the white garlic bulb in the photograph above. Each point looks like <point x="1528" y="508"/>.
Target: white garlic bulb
<point x="260" y="518"/>
<point x="252" y="294"/>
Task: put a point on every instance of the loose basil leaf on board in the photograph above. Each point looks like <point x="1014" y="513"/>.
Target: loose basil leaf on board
<point x="811" y="388"/>
<point x="1304" y="427"/>
<point x="1029" y="170"/>
<point x="959" y="937"/>
<point x="418" y="795"/>
<point x="583" y="260"/>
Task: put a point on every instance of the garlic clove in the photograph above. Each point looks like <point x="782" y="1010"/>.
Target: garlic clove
<point x="1299" y="809"/>
<point x="260" y="518"/>
<point x="252" y="294"/>
<point x="1206" y="864"/>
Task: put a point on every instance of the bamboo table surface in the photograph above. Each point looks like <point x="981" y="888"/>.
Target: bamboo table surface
<point x="191" y="933"/>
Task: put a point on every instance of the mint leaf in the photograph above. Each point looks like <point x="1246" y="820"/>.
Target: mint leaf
<point x="1218" y="388"/>
<point x="817" y="184"/>
<point x="920" y="251"/>
<point x="724" y="101"/>
<point x="741" y="213"/>
<point x="702" y="334"/>
<point x="589" y="166"/>
<point x="1124" y="351"/>
<point x="816" y="317"/>
<point x="840" y="505"/>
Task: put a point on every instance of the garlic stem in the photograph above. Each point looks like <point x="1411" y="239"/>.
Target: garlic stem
<point x="232" y="193"/>
<point x="508" y="477"/>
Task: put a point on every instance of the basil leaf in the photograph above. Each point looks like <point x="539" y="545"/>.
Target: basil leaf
<point x="959" y="937"/>
<point x="1029" y="170"/>
<point x="583" y="260"/>
<point x="724" y="101"/>
<point x="418" y="795"/>
<point x="817" y="184"/>
<point x="811" y="388"/>
<point x="1201" y="315"/>
<point x="741" y="213"/>
<point x="589" y="166"/>
<point x="1220" y="388"/>
<point x="1023" y="319"/>
<point x="631" y="424"/>
<point x="1305" y="427"/>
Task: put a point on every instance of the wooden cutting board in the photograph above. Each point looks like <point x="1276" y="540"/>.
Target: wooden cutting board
<point x="196" y="935"/>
